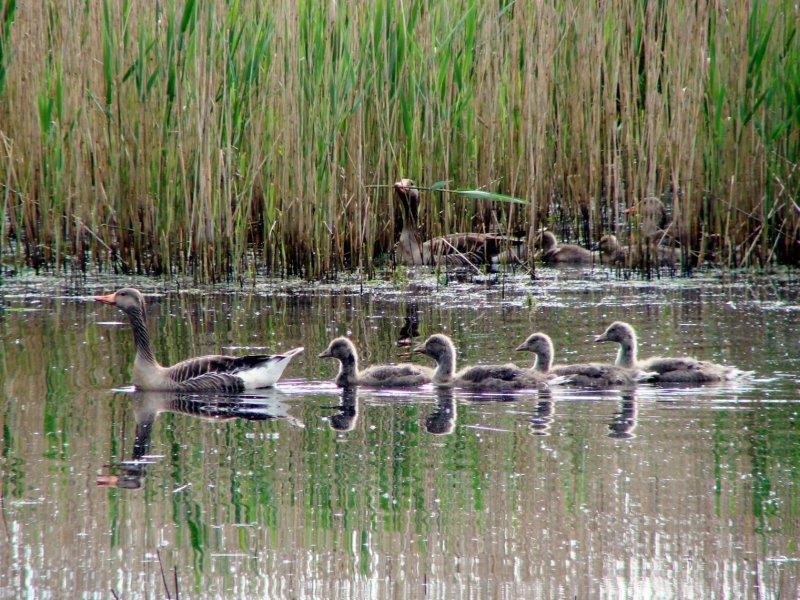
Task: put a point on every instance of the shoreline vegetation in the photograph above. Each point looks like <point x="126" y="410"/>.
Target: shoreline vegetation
<point x="207" y="137"/>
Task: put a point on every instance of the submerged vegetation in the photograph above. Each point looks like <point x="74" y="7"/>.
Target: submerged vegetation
<point x="209" y="137"/>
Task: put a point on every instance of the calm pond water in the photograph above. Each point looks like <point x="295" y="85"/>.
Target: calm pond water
<point x="304" y="491"/>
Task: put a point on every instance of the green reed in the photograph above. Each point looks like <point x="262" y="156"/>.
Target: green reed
<point x="221" y="137"/>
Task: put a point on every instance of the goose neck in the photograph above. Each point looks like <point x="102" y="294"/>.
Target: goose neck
<point x="626" y="356"/>
<point x="348" y="371"/>
<point x="141" y="337"/>
<point x="445" y="367"/>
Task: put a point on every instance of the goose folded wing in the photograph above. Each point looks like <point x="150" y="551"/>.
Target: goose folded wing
<point x="213" y="382"/>
<point x="195" y="367"/>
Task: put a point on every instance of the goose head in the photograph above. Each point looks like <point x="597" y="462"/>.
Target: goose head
<point x="408" y="195"/>
<point x="341" y="349"/>
<point x="541" y="345"/>
<point x="126" y="299"/>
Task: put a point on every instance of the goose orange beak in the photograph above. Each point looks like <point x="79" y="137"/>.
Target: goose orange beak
<point x="108" y="299"/>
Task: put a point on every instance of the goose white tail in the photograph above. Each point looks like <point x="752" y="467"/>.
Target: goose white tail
<point x="268" y="372"/>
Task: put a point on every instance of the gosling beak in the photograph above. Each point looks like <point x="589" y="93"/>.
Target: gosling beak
<point x="108" y="299"/>
<point x="521" y="348"/>
<point x="601" y="338"/>
<point x="325" y="353"/>
<point x="420" y="349"/>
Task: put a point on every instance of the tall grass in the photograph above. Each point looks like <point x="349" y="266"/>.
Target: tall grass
<point x="211" y="137"/>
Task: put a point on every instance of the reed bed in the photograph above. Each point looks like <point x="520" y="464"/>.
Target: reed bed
<point x="217" y="137"/>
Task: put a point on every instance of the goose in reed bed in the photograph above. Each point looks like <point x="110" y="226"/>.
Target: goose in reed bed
<point x="213" y="373"/>
<point x="669" y="370"/>
<point x="554" y="253"/>
<point x="402" y="375"/>
<point x="482" y="377"/>
<point x="615" y="254"/>
<point x="457" y="249"/>
<point x="595" y="375"/>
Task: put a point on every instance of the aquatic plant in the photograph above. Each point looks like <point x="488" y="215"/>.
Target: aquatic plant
<point x="179" y="136"/>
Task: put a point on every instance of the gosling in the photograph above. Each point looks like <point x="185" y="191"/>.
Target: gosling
<point x="402" y="375"/>
<point x="668" y="370"/>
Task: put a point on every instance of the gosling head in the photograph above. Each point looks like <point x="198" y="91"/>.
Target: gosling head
<point x="438" y="347"/>
<point x="625" y="336"/>
<point x="542" y="346"/>
<point x="126" y="299"/>
<point x="341" y="349"/>
<point x="617" y="332"/>
<point x="536" y="343"/>
<point x="608" y="244"/>
<point x="546" y="240"/>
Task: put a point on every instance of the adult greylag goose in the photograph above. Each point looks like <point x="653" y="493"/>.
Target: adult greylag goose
<point x="670" y="370"/>
<point x="402" y="375"/>
<point x="615" y="254"/>
<point x="594" y="375"/>
<point x="457" y="249"/>
<point x="554" y="253"/>
<point x="440" y="348"/>
<point x="213" y="373"/>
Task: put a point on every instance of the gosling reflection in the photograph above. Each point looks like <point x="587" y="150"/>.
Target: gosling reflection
<point x="442" y="421"/>
<point x="349" y="409"/>
<point x="624" y="420"/>
<point x="128" y="474"/>
<point x="542" y="417"/>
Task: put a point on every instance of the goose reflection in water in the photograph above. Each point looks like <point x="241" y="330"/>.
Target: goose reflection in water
<point x="624" y="420"/>
<point x="542" y="417"/>
<point x="442" y="421"/>
<point x="148" y="405"/>
<point x="349" y="409"/>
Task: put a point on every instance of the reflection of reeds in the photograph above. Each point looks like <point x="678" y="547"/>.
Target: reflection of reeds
<point x="200" y="136"/>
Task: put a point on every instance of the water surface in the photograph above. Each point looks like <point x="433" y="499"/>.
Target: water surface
<point x="305" y="491"/>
